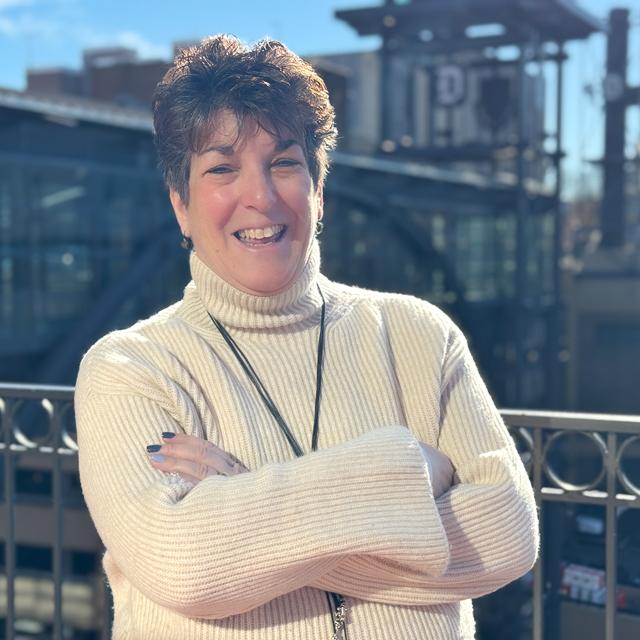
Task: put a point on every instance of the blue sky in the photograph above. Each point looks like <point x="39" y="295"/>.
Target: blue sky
<point x="46" y="33"/>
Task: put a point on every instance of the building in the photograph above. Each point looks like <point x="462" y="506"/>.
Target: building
<point x="459" y="86"/>
<point x="604" y="306"/>
<point x="111" y="74"/>
<point x="83" y="212"/>
<point x="445" y="93"/>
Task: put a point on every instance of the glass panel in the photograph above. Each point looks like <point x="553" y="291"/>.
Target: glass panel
<point x="505" y="237"/>
<point x="539" y="262"/>
<point x="68" y="279"/>
<point x="475" y="257"/>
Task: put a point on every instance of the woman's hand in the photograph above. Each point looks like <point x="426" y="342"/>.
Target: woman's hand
<point x="193" y="458"/>
<point x="440" y="469"/>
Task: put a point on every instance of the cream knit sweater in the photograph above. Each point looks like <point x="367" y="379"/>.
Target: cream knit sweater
<point x="247" y="557"/>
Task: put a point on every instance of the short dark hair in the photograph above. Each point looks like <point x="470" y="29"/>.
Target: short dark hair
<point x="266" y="81"/>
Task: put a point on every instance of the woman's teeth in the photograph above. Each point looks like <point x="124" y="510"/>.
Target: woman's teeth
<point x="260" y="234"/>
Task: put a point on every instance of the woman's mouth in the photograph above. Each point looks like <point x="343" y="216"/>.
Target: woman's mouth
<point x="261" y="236"/>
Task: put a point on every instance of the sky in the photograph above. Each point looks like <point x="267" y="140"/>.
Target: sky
<point x="53" y="33"/>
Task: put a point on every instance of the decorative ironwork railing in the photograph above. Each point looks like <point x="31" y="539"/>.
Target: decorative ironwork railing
<point x="612" y="440"/>
<point x="575" y="459"/>
<point x="37" y="436"/>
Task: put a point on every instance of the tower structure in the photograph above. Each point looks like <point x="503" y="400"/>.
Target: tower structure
<point x="604" y="304"/>
<point x="456" y="88"/>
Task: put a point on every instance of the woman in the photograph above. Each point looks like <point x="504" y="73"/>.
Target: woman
<point x="271" y="457"/>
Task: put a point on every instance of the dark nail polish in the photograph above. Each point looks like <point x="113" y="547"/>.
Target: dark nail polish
<point x="167" y="435"/>
<point x="152" y="448"/>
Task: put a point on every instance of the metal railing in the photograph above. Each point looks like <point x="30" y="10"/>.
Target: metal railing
<point x="538" y="435"/>
<point x="37" y="432"/>
<point x="612" y="436"/>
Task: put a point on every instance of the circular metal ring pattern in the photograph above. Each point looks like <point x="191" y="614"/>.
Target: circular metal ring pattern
<point x="555" y="477"/>
<point x="3" y="409"/>
<point x="33" y="412"/>
<point x="628" y="484"/>
<point x="54" y="423"/>
<point x="65" y="411"/>
<point x="523" y="440"/>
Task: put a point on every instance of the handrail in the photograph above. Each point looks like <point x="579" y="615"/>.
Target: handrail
<point x="537" y="433"/>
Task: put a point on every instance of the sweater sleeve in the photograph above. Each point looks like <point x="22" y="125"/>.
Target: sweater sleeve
<point x="230" y="544"/>
<point x="489" y="519"/>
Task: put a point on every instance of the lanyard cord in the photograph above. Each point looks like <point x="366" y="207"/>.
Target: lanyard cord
<point x="336" y="601"/>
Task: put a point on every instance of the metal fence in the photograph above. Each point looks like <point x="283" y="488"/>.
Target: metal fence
<point x="38" y="430"/>
<point x="38" y="435"/>
<point x="613" y="440"/>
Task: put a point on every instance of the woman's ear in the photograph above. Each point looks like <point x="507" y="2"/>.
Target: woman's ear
<point x="180" y="210"/>
<point x="320" y="202"/>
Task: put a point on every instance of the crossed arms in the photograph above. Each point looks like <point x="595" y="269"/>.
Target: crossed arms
<point x="359" y="518"/>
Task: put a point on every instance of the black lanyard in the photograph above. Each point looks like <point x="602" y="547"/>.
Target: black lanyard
<point x="336" y="601"/>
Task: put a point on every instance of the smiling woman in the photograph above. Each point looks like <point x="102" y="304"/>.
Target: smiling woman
<point x="278" y="456"/>
<point x="253" y="206"/>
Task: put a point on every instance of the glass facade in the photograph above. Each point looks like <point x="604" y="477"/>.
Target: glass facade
<point x="438" y="254"/>
<point x="88" y="243"/>
<point x="80" y="207"/>
<point x="458" y="249"/>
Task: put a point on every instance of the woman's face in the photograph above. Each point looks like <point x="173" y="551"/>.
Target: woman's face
<point x="252" y="208"/>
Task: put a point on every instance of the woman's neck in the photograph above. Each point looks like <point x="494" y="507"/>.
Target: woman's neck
<point x="298" y="304"/>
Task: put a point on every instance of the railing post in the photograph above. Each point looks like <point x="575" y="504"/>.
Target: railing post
<point x="9" y="508"/>
<point x="611" y="555"/>
<point x="58" y="510"/>
<point x="538" y="573"/>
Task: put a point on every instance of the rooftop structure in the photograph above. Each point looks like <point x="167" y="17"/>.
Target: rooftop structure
<point x="450" y="93"/>
<point x="472" y="23"/>
<point x="71" y="108"/>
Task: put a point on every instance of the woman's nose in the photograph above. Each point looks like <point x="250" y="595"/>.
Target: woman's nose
<point x="258" y="191"/>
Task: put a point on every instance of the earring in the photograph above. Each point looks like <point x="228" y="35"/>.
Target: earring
<point x="319" y="227"/>
<point x="186" y="242"/>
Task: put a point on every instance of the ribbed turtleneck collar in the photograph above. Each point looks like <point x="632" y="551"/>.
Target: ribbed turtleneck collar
<point x="237" y="309"/>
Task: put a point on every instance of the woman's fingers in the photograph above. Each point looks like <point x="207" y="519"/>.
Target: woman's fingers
<point x="201" y="452"/>
<point x="192" y="457"/>
<point x="440" y="469"/>
<point x="188" y="470"/>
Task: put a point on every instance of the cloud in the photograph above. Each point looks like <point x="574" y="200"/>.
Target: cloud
<point x="26" y="24"/>
<point x="144" y="47"/>
<point x="64" y="23"/>
<point x="87" y="37"/>
<point x="10" y="4"/>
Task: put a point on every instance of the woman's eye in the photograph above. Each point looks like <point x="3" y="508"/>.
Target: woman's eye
<point x="219" y="170"/>
<point x="285" y="162"/>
